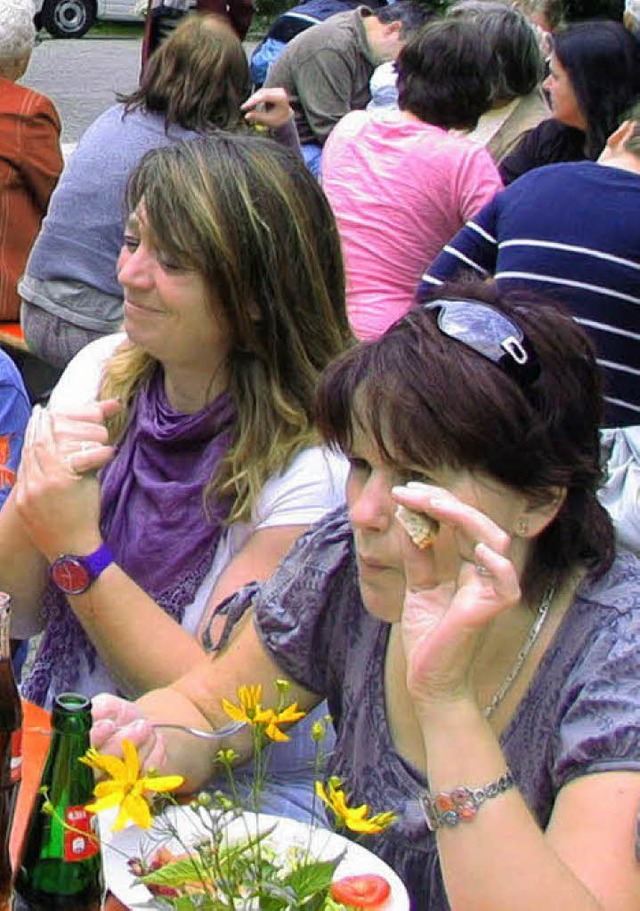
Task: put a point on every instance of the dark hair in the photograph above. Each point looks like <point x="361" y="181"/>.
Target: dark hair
<point x="412" y="15"/>
<point x="428" y="400"/>
<point x="445" y="73"/>
<point x="519" y="66"/>
<point x="602" y="60"/>
<point x="197" y="78"/>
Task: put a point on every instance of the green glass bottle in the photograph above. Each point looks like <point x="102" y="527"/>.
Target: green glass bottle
<point x="60" y="870"/>
<point x="10" y="748"/>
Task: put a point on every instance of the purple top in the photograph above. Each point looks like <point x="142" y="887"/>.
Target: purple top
<point x="580" y="715"/>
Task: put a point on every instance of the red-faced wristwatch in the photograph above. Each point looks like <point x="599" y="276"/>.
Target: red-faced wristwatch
<point x="73" y="575"/>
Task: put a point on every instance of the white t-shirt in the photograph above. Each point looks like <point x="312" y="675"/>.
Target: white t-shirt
<point x="311" y="486"/>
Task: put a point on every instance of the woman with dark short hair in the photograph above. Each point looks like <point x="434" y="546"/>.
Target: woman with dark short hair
<point x="483" y="685"/>
<point x="398" y="181"/>
<point x="594" y="79"/>
<point x="517" y="101"/>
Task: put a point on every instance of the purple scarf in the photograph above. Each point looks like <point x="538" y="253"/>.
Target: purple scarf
<point x="153" y="519"/>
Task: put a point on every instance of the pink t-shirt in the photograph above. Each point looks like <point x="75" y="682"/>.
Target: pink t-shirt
<point x="400" y="189"/>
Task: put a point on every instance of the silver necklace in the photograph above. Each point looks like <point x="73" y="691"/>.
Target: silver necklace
<point x="529" y="642"/>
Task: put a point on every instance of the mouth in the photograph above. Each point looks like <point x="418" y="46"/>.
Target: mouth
<point x="139" y="308"/>
<point x="371" y="565"/>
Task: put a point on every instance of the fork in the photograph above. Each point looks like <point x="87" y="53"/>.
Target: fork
<point x="226" y="731"/>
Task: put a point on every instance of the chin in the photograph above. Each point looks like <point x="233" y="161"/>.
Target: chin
<point x="381" y="604"/>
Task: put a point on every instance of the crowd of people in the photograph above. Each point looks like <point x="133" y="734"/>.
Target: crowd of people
<point x="403" y="277"/>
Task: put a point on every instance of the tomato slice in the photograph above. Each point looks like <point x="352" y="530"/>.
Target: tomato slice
<point x="364" y="891"/>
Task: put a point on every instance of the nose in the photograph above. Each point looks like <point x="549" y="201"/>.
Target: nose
<point x="371" y="507"/>
<point x="134" y="268"/>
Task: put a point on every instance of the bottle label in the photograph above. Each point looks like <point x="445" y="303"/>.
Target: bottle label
<point x="77" y="844"/>
<point x="16" y="755"/>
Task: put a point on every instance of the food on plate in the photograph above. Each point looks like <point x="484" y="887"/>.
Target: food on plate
<point x="365" y="891"/>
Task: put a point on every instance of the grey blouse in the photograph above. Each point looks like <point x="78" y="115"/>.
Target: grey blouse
<point x="580" y="715"/>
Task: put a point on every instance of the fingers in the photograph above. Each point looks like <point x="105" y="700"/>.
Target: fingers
<point x="115" y="720"/>
<point x="268" y="106"/>
<point x="77" y="443"/>
<point x="442" y="505"/>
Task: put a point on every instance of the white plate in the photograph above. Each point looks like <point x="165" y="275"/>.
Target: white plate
<point x="133" y="842"/>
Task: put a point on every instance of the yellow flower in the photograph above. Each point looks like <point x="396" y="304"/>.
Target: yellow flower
<point x="355" y="818"/>
<point x="251" y="712"/>
<point x="126" y="789"/>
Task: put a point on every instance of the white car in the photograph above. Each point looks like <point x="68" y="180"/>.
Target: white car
<point x="72" y="18"/>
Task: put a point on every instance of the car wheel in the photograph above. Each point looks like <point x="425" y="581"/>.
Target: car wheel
<point x="68" y="18"/>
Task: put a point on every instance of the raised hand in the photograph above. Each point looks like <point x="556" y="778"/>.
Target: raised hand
<point x="454" y="589"/>
<point x="57" y="492"/>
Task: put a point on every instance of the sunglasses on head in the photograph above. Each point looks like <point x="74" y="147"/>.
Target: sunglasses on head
<point x="490" y="333"/>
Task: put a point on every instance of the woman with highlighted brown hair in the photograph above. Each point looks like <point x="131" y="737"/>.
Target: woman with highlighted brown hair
<point x="484" y="687"/>
<point x="200" y="417"/>
<point x="196" y="83"/>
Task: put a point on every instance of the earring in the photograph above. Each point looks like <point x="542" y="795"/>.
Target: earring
<point x="522" y="528"/>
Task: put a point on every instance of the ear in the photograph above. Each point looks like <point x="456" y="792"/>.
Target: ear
<point x="393" y="28"/>
<point x="619" y="138"/>
<point x="539" y="513"/>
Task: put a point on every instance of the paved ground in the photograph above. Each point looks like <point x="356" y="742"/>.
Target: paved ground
<point x="82" y="76"/>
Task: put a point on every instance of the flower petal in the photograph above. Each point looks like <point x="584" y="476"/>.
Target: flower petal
<point x="165" y="783"/>
<point x="105" y="803"/>
<point x="131" y="760"/>
<point x="111" y="765"/>
<point x="234" y="711"/>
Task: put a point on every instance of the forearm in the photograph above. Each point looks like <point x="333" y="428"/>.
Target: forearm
<point x="187" y="755"/>
<point x="23" y="571"/>
<point x="142" y="646"/>
<point x="501" y="859"/>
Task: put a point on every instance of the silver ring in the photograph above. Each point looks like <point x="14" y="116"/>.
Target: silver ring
<point x="481" y="570"/>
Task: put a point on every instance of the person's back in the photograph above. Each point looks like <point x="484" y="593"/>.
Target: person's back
<point x="30" y="156"/>
<point x="399" y="182"/>
<point x="572" y="230"/>
<point x="326" y="69"/>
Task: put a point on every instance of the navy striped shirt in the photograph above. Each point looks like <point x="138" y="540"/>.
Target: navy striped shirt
<point x="573" y="231"/>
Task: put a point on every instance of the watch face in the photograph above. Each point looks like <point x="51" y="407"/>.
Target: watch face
<point x="70" y="575"/>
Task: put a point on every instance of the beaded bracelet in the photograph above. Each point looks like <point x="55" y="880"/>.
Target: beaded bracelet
<point x="448" y="808"/>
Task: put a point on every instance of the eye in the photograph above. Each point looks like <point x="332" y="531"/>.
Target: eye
<point x="131" y="242"/>
<point x="359" y="465"/>
<point x="406" y="476"/>
<point x="170" y="263"/>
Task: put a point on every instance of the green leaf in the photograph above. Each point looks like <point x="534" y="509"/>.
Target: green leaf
<point x="313" y="877"/>
<point x="176" y="873"/>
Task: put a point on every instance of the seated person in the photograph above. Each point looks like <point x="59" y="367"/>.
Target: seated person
<point x="15" y="409"/>
<point x="594" y="78"/>
<point x="326" y="69"/>
<point x="292" y="22"/>
<point x="71" y="295"/>
<point x="572" y="230"/>
<point x="200" y="418"/>
<point x="30" y="156"/>
<point x="163" y="17"/>
<point x="517" y="102"/>
<point x="399" y="181"/>
<point x="503" y="655"/>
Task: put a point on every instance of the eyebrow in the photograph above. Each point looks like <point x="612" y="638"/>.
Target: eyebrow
<point x="133" y="223"/>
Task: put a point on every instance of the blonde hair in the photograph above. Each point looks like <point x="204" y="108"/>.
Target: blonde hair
<point x="247" y="215"/>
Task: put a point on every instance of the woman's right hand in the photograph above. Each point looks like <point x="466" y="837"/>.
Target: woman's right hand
<point x="268" y="108"/>
<point x="115" y="720"/>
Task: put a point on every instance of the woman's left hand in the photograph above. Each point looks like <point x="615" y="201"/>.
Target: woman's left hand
<point x="57" y="491"/>
<point x="444" y="622"/>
